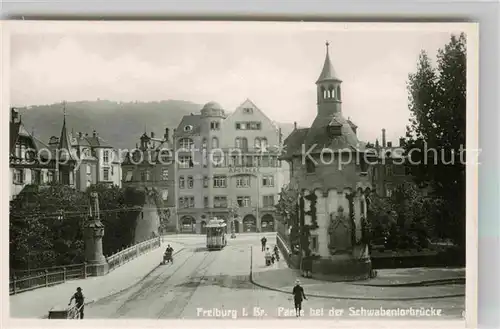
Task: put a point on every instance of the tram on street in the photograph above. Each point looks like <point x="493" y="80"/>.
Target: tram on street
<point x="216" y="234"/>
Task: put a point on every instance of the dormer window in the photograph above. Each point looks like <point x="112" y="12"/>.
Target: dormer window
<point x="188" y="128"/>
<point x="248" y="110"/>
<point x="335" y="130"/>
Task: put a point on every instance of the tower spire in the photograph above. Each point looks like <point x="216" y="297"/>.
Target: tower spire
<point x="328" y="72"/>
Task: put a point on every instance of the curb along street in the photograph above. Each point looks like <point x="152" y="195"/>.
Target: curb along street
<point x="131" y="285"/>
<point x="345" y="297"/>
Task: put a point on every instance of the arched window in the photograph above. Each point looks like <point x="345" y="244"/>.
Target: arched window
<point x="237" y="142"/>
<point x="338" y="92"/>
<point x="215" y="143"/>
<point x="263" y="143"/>
<point x="244" y="143"/>
<point x="257" y="143"/>
<point x="186" y="143"/>
<point x="332" y="91"/>
<point x="323" y="92"/>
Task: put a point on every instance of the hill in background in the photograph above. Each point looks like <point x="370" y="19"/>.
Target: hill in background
<point x="119" y="123"/>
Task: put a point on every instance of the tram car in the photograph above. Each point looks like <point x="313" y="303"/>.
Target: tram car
<point x="216" y="234"/>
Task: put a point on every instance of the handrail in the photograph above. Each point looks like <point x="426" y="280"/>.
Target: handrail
<point x="50" y="276"/>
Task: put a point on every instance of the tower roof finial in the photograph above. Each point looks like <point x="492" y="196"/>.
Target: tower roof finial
<point x="328" y="72"/>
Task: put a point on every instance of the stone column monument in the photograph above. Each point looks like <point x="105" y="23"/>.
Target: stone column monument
<point x="94" y="231"/>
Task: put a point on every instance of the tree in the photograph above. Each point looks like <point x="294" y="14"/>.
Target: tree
<point x="46" y="225"/>
<point x="437" y="102"/>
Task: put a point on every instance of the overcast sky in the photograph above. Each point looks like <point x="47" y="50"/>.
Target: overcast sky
<point x="276" y="70"/>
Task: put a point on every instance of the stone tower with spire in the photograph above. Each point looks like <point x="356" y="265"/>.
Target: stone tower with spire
<point x="65" y="155"/>
<point x="328" y="89"/>
<point x="329" y="172"/>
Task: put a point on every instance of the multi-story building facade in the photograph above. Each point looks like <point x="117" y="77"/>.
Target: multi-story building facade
<point x="151" y="166"/>
<point x="390" y="169"/>
<point x="228" y="168"/>
<point x="31" y="161"/>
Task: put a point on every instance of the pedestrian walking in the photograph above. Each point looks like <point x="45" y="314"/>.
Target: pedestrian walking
<point x="263" y="241"/>
<point x="79" y="300"/>
<point x="298" y="296"/>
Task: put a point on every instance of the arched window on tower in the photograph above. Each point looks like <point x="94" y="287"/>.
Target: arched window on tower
<point x="215" y="143"/>
<point x="323" y="93"/>
<point x="338" y="92"/>
<point x="331" y="90"/>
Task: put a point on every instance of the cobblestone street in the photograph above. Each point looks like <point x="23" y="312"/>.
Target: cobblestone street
<point x="216" y="284"/>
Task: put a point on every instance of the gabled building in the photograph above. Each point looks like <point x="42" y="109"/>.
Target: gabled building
<point x="228" y="168"/>
<point x="85" y="159"/>
<point x="30" y="160"/>
<point x="328" y="169"/>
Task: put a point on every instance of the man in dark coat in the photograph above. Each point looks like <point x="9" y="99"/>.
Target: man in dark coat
<point x="263" y="242"/>
<point x="79" y="300"/>
<point x="298" y="296"/>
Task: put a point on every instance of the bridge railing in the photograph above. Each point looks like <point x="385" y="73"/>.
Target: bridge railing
<point x="32" y="279"/>
<point x="126" y="255"/>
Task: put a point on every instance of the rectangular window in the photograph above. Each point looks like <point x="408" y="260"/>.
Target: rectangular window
<point x="164" y="174"/>
<point x="219" y="181"/>
<point x="205" y="202"/>
<point x="186" y="202"/>
<point x="268" y="200"/>
<point x="238" y="126"/>
<point x="220" y="202"/>
<point x="268" y="180"/>
<point x="313" y="243"/>
<point x="248" y="110"/>
<point x="205" y="181"/>
<point x="105" y="174"/>
<point x="105" y="156"/>
<point x="18" y="176"/>
<point x="190" y="182"/>
<point x="265" y="161"/>
<point x="88" y="169"/>
<point x="399" y="170"/>
<point x="50" y="177"/>
<point x="243" y="201"/>
<point x="388" y="170"/>
<point x="185" y="162"/>
<point x="181" y="182"/>
<point x="243" y="181"/>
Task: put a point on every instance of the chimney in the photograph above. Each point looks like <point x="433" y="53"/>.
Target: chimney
<point x="86" y="134"/>
<point x="280" y="136"/>
<point x="383" y="137"/>
<point x="389" y="144"/>
<point x="295" y="125"/>
<point x="94" y="134"/>
<point x="152" y="134"/>
<point x="377" y="145"/>
<point x="401" y="142"/>
<point x="166" y="134"/>
<point x="80" y="134"/>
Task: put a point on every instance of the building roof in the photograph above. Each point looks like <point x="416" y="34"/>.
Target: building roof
<point x="212" y="106"/>
<point x="319" y="137"/>
<point x="328" y="72"/>
<point x="190" y="125"/>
